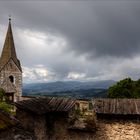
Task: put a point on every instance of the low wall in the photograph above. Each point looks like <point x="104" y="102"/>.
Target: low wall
<point x="26" y="119"/>
<point x="117" y="129"/>
<point x="55" y="127"/>
<point x="114" y="129"/>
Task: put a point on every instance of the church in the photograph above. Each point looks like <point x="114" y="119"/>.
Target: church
<point x="10" y="68"/>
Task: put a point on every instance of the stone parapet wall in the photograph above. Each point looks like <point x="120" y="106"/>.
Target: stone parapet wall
<point x="117" y="130"/>
<point x="106" y="130"/>
<point x="26" y="98"/>
<point x="55" y="126"/>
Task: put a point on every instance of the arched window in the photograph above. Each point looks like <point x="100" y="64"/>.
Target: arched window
<point x="11" y="78"/>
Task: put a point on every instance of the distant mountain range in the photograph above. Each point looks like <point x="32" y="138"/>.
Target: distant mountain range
<point x="74" y="89"/>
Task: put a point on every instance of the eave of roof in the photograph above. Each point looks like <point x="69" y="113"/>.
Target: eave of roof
<point x="42" y="105"/>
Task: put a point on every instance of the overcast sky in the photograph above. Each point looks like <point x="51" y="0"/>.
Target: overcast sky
<point x="67" y="40"/>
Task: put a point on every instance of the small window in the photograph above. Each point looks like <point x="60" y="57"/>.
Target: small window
<point x="11" y="78"/>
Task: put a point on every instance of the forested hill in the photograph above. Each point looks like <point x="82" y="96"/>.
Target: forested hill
<point x="69" y="89"/>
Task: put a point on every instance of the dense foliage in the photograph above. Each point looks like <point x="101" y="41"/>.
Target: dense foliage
<point x="125" y="88"/>
<point x="4" y="105"/>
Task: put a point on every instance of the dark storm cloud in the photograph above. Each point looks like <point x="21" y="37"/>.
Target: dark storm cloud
<point x="93" y="28"/>
<point x="96" y="29"/>
<point x="101" y="31"/>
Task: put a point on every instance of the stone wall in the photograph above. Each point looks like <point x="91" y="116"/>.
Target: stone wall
<point x="11" y="69"/>
<point x="55" y="127"/>
<point x="40" y="130"/>
<point x="114" y="129"/>
<point x="26" y="98"/>
<point x="118" y="129"/>
<point x="26" y="119"/>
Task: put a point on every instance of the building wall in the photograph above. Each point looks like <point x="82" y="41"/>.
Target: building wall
<point x="55" y="127"/>
<point x="26" y="98"/>
<point x="27" y="120"/>
<point x="107" y="129"/>
<point x="11" y="69"/>
<point x="40" y="130"/>
<point x="118" y="130"/>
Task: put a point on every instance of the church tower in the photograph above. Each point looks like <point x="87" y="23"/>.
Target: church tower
<point x="10" y="68"/>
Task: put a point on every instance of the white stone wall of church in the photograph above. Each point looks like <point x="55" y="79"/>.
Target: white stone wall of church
<point x="17" y="74"/>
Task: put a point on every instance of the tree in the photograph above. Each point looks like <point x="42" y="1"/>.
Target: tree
<point x="125" y="88"/>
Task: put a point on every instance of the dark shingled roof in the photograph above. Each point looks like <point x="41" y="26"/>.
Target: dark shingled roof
<point x="117" y="106"/>
<point x="8" y="51"/>
<point x="42" y="105"/>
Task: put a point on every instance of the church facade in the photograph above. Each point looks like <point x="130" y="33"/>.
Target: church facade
<point x="10" y="68"/>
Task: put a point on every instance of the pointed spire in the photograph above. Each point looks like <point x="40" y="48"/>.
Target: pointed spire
<point x="9" y="49"/>
<point x="9" y="18"/>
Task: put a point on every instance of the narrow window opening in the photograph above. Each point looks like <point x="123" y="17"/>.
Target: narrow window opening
<point x="11" y="78"/>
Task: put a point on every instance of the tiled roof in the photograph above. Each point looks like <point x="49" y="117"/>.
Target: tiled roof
<point x="42" y="105"/>
<point x="117" y="106"/>
<point x="8" y="51"/>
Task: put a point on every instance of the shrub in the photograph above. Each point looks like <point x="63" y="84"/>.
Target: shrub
<point x="6" y="107"/>
<point x="125" y="88"/>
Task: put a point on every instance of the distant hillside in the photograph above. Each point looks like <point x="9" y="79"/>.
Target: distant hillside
<point x="69" y="89"/>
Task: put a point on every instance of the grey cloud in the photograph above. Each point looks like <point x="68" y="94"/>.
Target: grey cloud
<point x="100" y="31"/>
